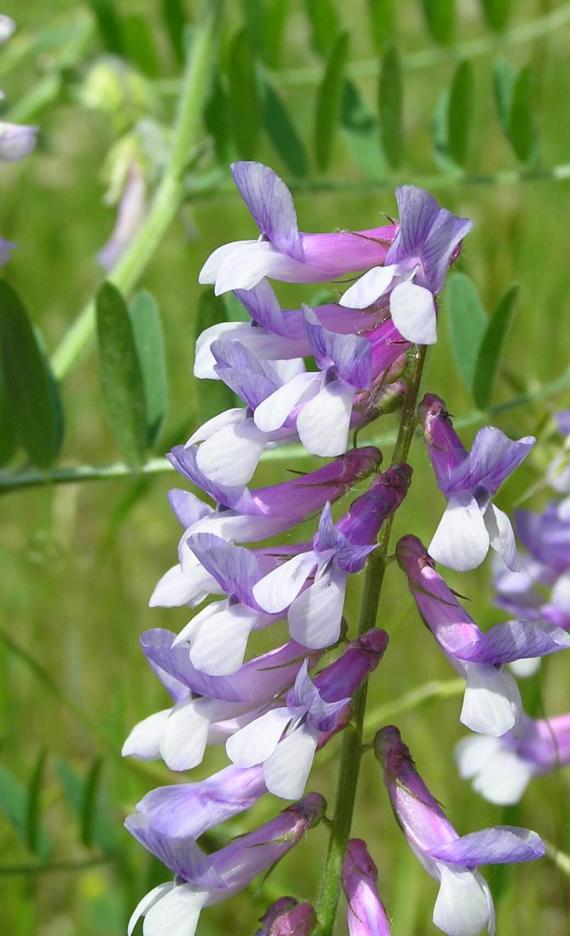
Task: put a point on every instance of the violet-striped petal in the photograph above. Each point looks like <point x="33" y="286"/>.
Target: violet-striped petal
<point x="498" y="845"/>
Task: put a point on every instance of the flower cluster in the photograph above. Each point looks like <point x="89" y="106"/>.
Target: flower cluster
<point x="312" y="375"/>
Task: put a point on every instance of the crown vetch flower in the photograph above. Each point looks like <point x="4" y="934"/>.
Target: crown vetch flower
<point x="245" y="515"/>
<point x="285" y="738"/>
<point x="471" y="522"/>
<point x="502" y="768"/>
<point x="464" y="905"/>
<point x="492" y="703"/>
<point x="428" y="240"/>
<point x="282" y="252"/>
<point x="288" y="917"/>
<point x="315" y="612"/>
<point x="201" y="880"/>
<point x="366" y="915"/>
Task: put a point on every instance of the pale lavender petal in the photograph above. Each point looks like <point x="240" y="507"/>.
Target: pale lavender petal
<point x="418" y="211"/>
<point x="271" y="205"/>
<point x="498" y="845"/>
<point x="516" y="640"/>
<point x="186" y="507"/>
<point x="493" y="457"/>
<point x="204" y="360"/>
<point x="235" y="569"/>
<point x="16" y="141"/>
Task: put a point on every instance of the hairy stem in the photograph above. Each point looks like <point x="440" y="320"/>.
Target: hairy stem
<point x="352" y="744"/>
<point x="169" y="194"/>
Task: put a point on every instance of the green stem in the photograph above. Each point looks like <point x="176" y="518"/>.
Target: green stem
<point x="352" y="744"/>
<point x="169" y="194"/>
<point x="79" y="865"/>
<point x="14" y="481"/>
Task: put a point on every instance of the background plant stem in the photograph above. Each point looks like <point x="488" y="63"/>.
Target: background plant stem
<point x="352" y="744"/>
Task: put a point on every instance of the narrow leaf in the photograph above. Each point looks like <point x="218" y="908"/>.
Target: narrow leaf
<point x="33" y="393"/>
<point x="523" y="133"/>
<point x="213" y="395"/>
<point x="467" y="324"/>
<point x="217" y="120"/>
<point x="36" y="836"/>
<point x="282" y="132"/>
<point x="325" y="25"/>
<point x="89" y="806"/>
<point x="121" y="376"/>
<point x="13" y="799"/>
<point x="175" y="21"/>
<point x="140" y="45"/>
<point x="460" y="112"/>
<point x="245" y="106"/>
<point x="329" y="99"/>
<point x="504" y="79"/>
<point x="440" y="132"/>
<point x="497" y="13"/>
<point x="382" y="21"/>
<point x="491" y="347"/>
<point x="274" y="22"/>
<point x="440" y="18"/>
<point x="109" y="25"/>
<point x="149" y="343"/>
<point x="8" y="436"/>
<point x="361" y="130"/>
<point x="390" y="103"/>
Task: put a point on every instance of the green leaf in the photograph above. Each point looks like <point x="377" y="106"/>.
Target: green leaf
<point x="523" y="134"/>
<point x="329" y="100"/>
<point x="174" y="18"/>
<point x="282" y="132"/>
<point x="491" y="347"/>
<point x="390" y="105"/>
<point x="460" y="112"/>
<point x="140" y="45"/>
<point x="234" y="310"/>
<point x="440" y="19"/>
<point x="149" y="343"/>
<point x="361" y="131"/>
<point x="121" y="376"/>
<point x="213" y="395"/>
<point x="34" y="397"/>
<point x="245" y="111"/>
<point x="497" y="13"/>
<point x="274" y="20"/>
<point x="89" y="804"/>
<point x="36" y="836"/>
<point x="467" y="324"/>
<point x="325" y="25"/>
<point x="109" y="25"/>
<point x="440" y="135"/>
<point x="382" y="21"/>
<point x="217" y="120"/>
<point x="8" y="435"/>
<point x="13" y="800"/>
<point x="504" y="79"/>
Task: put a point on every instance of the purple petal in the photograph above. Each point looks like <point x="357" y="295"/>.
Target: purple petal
<point x="491" y="460"/>
<point x="183" y="459"/>
<point x="252" y="379"/>
<point x="563" y="422"/>
<point x="270" y="204"/>
<point x="417" y="210"/>
<point x="181" y="854"/>
<point x="350" y="354"/>
<point x="235" y="568"/>
<point x="16" y="141"/>
<point x="498" y="845"/>
<point x="517" y="640"/>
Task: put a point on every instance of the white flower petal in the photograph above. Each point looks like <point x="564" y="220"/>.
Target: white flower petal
<point x="144" y="740"/>
<point x="175" y="914"/>
<point x="324" y="422"/>
<point x="462" y="906"/>
<point x="218" y="646"/>
<point x="368" y="288"/>
<point x="257" y="741"/>
<point x="492" y="702"/>
<point x="275" y="591"/>
<point x="185" y="736"/>
<point x="413" y="312"/>
<point x="230" y="456"/>
<point x="461" y="540"/>
<point x="204" y="360"/>
<point x="146" y="903"/>
<point x="498" y="773"/>
<point x="501" y="536"/>
<point x="275" y="409"/>
<point x="181" y="586"/>
<point x="287" y="770"/>
<point x="211" y="268"/>
<point x="315" y="615"/>
<point x="211" y="426"/>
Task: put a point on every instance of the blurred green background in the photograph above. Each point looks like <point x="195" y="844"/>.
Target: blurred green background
<point x="80" y="560"/>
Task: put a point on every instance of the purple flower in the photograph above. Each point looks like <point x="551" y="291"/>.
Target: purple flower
<point x="502" y="768"/>
<point x="201" y="880"/>
<point x="315" y="612"/>
<point x="546" y="536"/>
<point x="469" y="480"/>
<point x="464" y="904"/>
<point x="285" y="738"/>
<point x="427" y="242"/>
<point x="7" y="28"/>
<point x="366" y="915"/>
<point x="254" y="515"/>
<point x="16" y="141"/>
<point x="287" y="917"/>
<point x="282" y="252"/>
<point x="130" y="214"/>
<point x="492" y="703"/>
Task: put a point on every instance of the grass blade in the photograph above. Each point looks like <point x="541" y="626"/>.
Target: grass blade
<point x="491" y="347"/>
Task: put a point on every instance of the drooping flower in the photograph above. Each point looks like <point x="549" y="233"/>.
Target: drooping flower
<point x="288" y="917"/>
<point x="315" y="613"/>
<point x="201" y="881"/>
<point x="130" y="213"/>
<point x="464" y="905"/>
<point x="285" y="738"/>
<point x="471" y="522"/>
<point x="502" y="768"/>
<point x="492" y="703"/>
<point x="428" y="240"/>
<point x="245" y="515"/>
<point x="366" y="915"/>
<point x="282" y="252"/>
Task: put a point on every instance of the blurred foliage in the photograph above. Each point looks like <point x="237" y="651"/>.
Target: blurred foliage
<point x="463" y="97"/>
